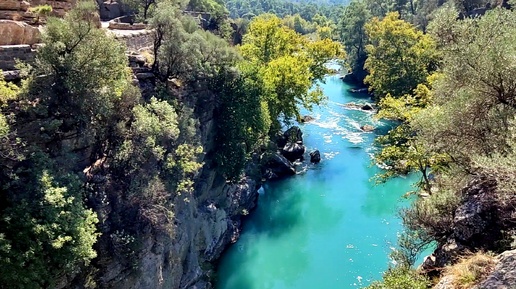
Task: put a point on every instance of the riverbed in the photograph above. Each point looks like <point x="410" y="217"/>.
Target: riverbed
<point x="330" y="226"/>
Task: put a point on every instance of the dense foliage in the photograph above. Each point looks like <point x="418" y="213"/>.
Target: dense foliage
<point x="456" y="112"/>
<point x="399" y="57"/>
<point x="306" y="9"/>
<point x="75" y="134"/>
<point x="278" y="69"/>
<point x="77" y="137"/>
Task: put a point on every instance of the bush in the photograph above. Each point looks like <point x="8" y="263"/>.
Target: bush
<point x="432" y="216"/>
<point x="401" y="278"/>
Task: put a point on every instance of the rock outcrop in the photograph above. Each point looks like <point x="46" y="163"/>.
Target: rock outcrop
<point x="478" y="224"/>
<point x="315" y="156"/>
<point x="277" y="167"/>
<point x="293" y="148"/>
<point x="504" y="273"/>
<point x="205" y="224"/>
<point x="111" y="9"/>
<point x="20" y="9"/>
<point x="17" y="32"/>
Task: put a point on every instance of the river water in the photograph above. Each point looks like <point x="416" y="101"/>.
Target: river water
<point x="329" y="227"/>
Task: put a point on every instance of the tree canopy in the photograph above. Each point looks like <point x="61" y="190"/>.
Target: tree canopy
<point x="399" y="57"/>
<point x="287" y="65"/>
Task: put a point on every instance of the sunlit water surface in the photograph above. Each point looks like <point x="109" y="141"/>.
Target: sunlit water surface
<point x="330" y="226"/>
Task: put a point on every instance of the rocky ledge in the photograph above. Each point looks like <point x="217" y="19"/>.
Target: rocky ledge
<point x="478" y="224"/>
<point x="503" y="275"/>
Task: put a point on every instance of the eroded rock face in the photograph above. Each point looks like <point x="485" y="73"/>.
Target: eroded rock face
<point x="503" y="275"/>
<point x="478" y="224"/>
<point x="17" y="32"/>
<point x="205" y="225"/>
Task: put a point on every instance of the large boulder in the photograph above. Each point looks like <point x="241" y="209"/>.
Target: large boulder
<point x="293" y="151"/>
<point x="17" y="32"/>
<point x="294" y="134"/>
<point x="367" y="106"/>
<point x="280" y="139"/>
<point x="293" y="148"/>
<point x="315" y="156"/>
<point x="367" y="128"/>
<point x="277" y="166"/>
<point x="111" y="9"/>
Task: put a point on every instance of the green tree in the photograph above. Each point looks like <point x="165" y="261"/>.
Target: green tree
<point x="143" y="7"/>
<point x="184" y="51"/>
<point x="242" y="121"/>
<point x="354" y="37"/>
<point x="475" y="99"/>
<point x="73" y="75"/>
<point x="8" y="93"/>
<point x="399" y="56"/>
<point x="401" y="278"/>
<point x="401" y="150"/>
<point x="46" y="231"/>
<point x="286" y="64"/>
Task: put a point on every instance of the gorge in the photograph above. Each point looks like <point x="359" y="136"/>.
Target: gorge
<point x="329" y="226"/>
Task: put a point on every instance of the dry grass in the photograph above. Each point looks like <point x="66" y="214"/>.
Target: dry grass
<point x="471" y="269"/>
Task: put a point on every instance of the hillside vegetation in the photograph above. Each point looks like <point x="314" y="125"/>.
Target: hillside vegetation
<point x="89" y="166"/>
<point x="92" y="167"/>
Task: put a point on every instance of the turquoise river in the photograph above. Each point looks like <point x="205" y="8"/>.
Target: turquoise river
<point x="330" y="226"/>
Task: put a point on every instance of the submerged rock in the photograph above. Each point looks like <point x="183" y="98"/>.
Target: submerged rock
<point x="367" y="106"/>
<point x="307" y="118"/>
<point x="359" y="90"/>
<point x="359" y="106"/>
<point x="315" y="156"/>
<point x="367" y="128"/>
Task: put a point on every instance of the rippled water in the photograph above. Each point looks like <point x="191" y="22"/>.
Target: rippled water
<point x="329" y="226"/>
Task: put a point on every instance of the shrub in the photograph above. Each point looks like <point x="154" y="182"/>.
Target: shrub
<point x="432" y="216"/>
<point x="401" y="278"/>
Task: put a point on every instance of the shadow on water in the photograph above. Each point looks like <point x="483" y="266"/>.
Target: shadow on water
<point x="290" y="212"/>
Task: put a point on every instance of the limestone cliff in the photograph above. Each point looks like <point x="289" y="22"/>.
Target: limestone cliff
<point x="136" y="255"/>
